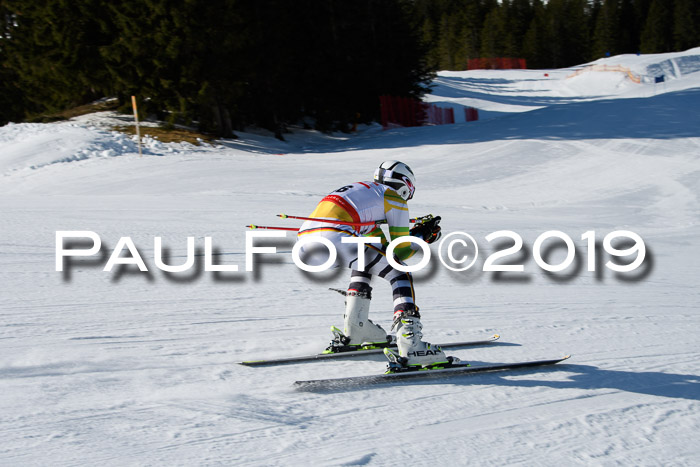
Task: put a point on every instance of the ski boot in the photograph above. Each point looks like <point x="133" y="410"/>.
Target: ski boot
<point x="359" y="332"/>
<point x="414" y="354"/>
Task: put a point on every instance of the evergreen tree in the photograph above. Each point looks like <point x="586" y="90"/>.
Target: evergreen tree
<point x="657" y="36"/>
<point x="426" y="16"/>
<point x="224" y="64"/>
<point x="593" y="11"/>
<point x="179" y="56"/>
<point x="686" y="33"/>
<point x="12" y="103"/>
<point x="494" y="33"/>
<point x="53" y="53"/>
<point x="536" y="41"/>
<point x="641" y="10"/>
<point x="473" y="13"/>
<point x="447" y="43"/>
<point x="450" y="30"/>
<point x="576" y="40"/>
<point x="521" y="14"/>
<point x="557" y="33"/>
<point x="606" y="38"/>
<point x="628" y="36"/>
<point x="428" y="35"/>
<point x="511" y="46"/>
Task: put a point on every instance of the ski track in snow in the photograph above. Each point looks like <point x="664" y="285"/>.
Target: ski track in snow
<point x="130" y="368"/>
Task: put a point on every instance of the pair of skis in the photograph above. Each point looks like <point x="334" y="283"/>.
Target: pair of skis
<point x="359" y="381"/>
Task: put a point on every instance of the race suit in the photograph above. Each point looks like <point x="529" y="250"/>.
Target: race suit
<point x="362" y="202"/>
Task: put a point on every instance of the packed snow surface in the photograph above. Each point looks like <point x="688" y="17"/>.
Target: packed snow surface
<point x="139" y="368"/>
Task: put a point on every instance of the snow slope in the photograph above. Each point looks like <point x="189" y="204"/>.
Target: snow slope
<point x="132" y="368"/>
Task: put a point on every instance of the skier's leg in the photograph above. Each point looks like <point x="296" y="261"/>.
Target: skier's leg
<point x="401" y="282"/>
<point x="358" y="327"/>
<point x="359" y="281"/>
<point x="412" y="351"/>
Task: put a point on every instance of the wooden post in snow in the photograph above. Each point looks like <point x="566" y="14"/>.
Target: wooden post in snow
<point x="136" y="118"/>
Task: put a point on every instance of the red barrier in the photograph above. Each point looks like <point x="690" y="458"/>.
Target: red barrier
<point x="496" y="63"/>
<point x="404" y="111"/>
<point x="471" y="114"/>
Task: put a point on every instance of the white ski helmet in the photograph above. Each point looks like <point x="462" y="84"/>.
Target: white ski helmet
<point x="398" y="176"/>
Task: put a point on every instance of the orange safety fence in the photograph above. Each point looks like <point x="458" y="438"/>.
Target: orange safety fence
<point x="614" y="68"/>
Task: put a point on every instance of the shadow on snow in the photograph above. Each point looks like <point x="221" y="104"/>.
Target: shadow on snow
<point x="665" y="116"/>
<point x="584" y="377"/>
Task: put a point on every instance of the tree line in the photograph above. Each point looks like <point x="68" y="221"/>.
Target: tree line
<point x="216" y="64"/>
<point x="221" y="65"/>
<point x="553" y="33"/>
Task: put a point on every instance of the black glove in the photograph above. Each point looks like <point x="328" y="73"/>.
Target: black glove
<point x="427" y="227"/>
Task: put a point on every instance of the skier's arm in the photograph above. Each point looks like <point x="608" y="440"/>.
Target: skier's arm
<point x="428" y="228"/>
<point x="398" y="219"/>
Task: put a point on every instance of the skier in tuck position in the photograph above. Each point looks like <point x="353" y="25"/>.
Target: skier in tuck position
<point x="382" y="200"/>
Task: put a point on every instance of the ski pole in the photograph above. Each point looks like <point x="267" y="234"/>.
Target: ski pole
<point x="332" y="221"/>
<point x="266" y="227"/>
<point x="328" y="221"/>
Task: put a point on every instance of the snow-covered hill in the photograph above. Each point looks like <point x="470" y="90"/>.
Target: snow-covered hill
<point x="136" y="368"/>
